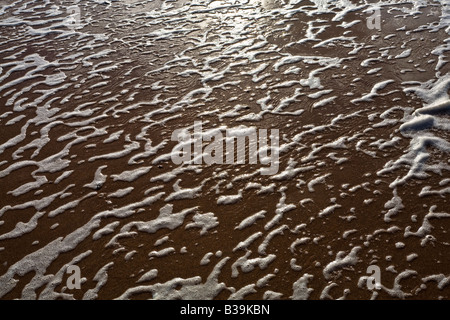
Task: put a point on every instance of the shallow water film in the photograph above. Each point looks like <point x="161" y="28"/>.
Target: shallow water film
<point x="224" y="149"/>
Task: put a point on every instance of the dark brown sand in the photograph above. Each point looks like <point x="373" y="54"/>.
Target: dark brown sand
<point x="363" y="162"/>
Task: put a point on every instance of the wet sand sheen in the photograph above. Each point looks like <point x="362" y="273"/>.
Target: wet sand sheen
<point x="130" y="72"/>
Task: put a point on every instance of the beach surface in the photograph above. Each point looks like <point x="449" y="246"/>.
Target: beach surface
<point x="96" y="96"/>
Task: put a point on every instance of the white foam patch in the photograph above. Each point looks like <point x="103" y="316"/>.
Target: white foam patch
<point x="300" y="288"/>
<point x="205" y="222"/>
<point x="191" y="288"/>
<point x="342" y="261"/>
<point x="249" y="221"/>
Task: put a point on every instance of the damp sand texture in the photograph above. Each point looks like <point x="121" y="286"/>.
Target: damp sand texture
<point x="91" y="93"/>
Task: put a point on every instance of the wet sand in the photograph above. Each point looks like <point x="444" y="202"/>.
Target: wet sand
<point x="88" y="112"/>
